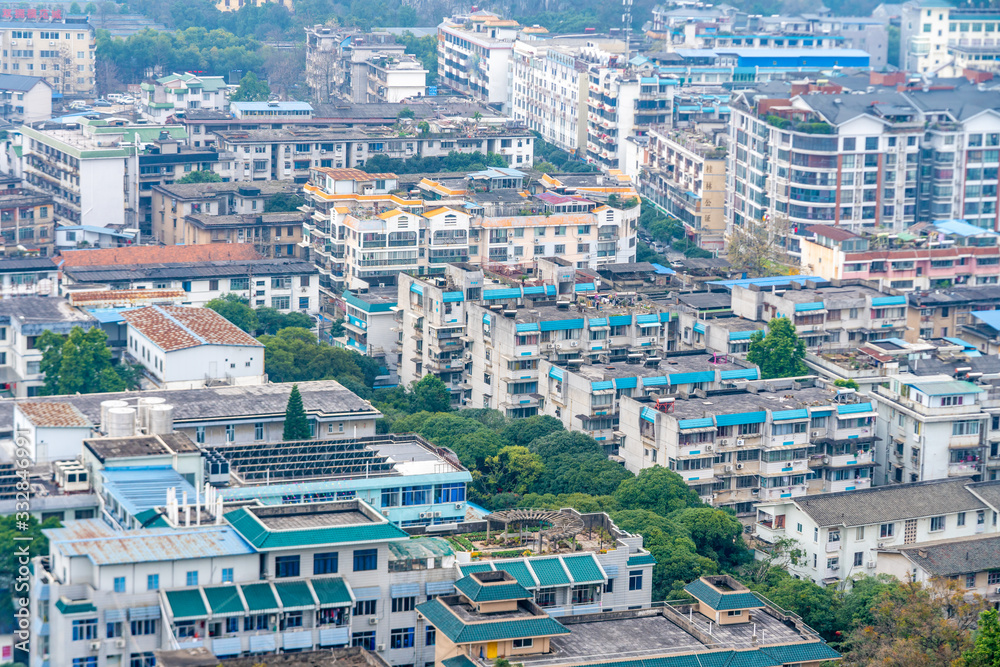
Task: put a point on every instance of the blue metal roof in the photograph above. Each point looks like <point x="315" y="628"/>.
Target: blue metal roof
<point x="767" y="281"/>
<point x="807" y="307"/>
<point x="741" y="418"/>
<point x="990" y="318"/>
<point x="961" y="228"/>
<point x="153" y="545"/>
<point x="854" y="408"/>
<point x="602" y="385"/>
<point x="138" y="489"/>
<point x="889" y="301"/>
<point x="744" y="335"/>
<point x="108" y="315"/>
<point x="780" y="415"/>
<point x="526" y="327"/>
<point x="959" y="341"/>
<point x="740" y="374"/>
<point x="620" y="320"/>
<point x="505" y="293"/>
<point x="704" y="422"/>
<point x="663" y="270"/>
<point x="452" y="297"/>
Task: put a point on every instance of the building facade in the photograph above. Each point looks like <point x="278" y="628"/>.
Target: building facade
<point x="473" y="55"/>
<point x="929" y="28"/>
<point x="179" y="92"/>
<point x="43" y="43"/>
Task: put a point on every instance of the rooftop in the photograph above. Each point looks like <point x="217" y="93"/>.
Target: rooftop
<point x="707" y="301"/>
<point x="179" y="327"/>
<point x="737" y="402"/>
<point x="211" y="190"/>
<point x="670" y="365"/>
<point x="36" y="314"/>
<point x="321" y="398"/>
<point x="190" y="270"/>
<point x="896" y="502"/>
<point x="145" y="255"/>
<point x="54" y="415"/>
<point x="985" y="294"/>
<point x="149" y="545"/>
<point x="20" y="82"/>
<point x="139" y="446"/>
<point x="947" y="558"/>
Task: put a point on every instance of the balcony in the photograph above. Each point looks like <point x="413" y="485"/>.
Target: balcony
<point x="781" y="492"/>
<point x="965" y="468"/>
<point x="784" y="467"/>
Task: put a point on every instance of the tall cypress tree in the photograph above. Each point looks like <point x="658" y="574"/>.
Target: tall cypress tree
<point x="296" y="423"/>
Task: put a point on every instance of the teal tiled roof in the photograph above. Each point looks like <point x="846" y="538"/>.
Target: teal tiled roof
<point x="722" y="601"/>
<point x="801" y="652"/>
<point x="294" y="595"/>
<point x="446" y="622"/>
<point x="474" y="567"/>
<point x="260" y="598"/>
<point x="75" y="607"/>
<point x="254" y="532"/>
<point x="549" y="571"/>
<point x="458" y="661"/>
<point x="519" y="570"/>
<point x="584" y="569"/>
<point x="641" y="559"/>
<point x="331" y="592"/>
<point x="225" y="600"/>
<point x="772" y="656"/>
<point x="497" y="592"/>
<point x="186" y="605"/>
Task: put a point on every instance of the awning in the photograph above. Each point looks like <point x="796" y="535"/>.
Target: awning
<point x="335" y="636"/>
<point x="186" y="605"/>
<point x="699" y="327"/>
<point x="332" y="592"/>
<point x="144" y="613"/>
<point x="293" y="640"/>
<point x="440" y="587"/>
<point x="114" y="615"/>
<point x="262" y="644"/>
<point x="370" y="593"/>
<point x="702" y="423"/>
<point x="295" y="595"/>
<point x="226" y="646"/>
<point x="225" y="601"/>
<point x="741" y="418"/>
<point x="783" y="415"/>
<point x="611" y="571"/>
<point x="404" y="590"/>
<point x="260" y="598"/>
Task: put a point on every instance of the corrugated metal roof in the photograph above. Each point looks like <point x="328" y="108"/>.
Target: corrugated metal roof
<point x="947" y="388"/>
<point x="144" y="488"/>
<point x="584" y="569"/>
<point x="332" y="592"/>
<point x="150" y="545"/>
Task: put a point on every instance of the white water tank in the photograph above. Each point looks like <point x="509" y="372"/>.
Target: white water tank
<point x="121" y="422"/>
<point x="145" y="403"/>
<point x="161" y="419"/>
<point x="107" y="405"/>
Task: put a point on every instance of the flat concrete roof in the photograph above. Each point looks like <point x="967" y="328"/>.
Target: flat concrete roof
<point x="739" y="402"/>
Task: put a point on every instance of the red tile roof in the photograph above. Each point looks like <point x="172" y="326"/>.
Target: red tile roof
<point x="179" y="327"/>
<point x="835" y="233"/>
<point x="58" y="415"/>
<point x="171" y="254"/>
<point x="353" y="175"/>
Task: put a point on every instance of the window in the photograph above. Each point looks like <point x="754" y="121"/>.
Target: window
<point x="303" y="303"/>
<point x="390" y="497"/>
<point x="281" y="302"/>
<point x="937" y="523"/>
<point x="145" y="659"/>
<point x="286" y="566"/>
<point x="227" y="575"/>
<point x="969" y="427"/>
<point x="325" y="563"/>
<point x="635" y="580"/>
<point x="403" y="604"/>
<point x="365" y="607"/>
<point x="293" y="619"/>
<point x="993" y="578"/>
<point x="199" y="435"/>
<point x="546" y="597"/>
<point x="887" y="530"/>
<point x="85" y="629"/>
<point x="365" y="559"/>
<point x="233" y="624"/>
<point x="961" y="518"/>
<point x="147" y="627"/>
<point x="526" y="642"/>
<point x="88" y="661"/>
<point x="970" y="580"/>
<point x="401" y="638"/>
<point x="152" y="582"/>
<point x="119" y="584"/>
<point x="258" y="431"/>
<point x="114" y="629"/>
<point x="230" y="432"/>
<point x="859" y="558"/>
<point x="430" y="637"/>
<point x="365" y="640"/>
<point x="192" y="578"/>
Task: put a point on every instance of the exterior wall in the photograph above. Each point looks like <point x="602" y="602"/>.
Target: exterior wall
<point x="192" y="367"/>
<point x="27" y="106"/>
<point x="244" y="429"/>
<point x="475" y="63"/>
<point x="927" y="31"/>
<point x="549" y="88"/>
<point x="62" y="52"/>
<point x="27" y="219"/>
<point x="47" y="444"/>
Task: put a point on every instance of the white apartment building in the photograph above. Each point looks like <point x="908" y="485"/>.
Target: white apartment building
<point x="179" y="92"/>
<point x="549" y="88"/>
<point x="935" y="427"/>
<point x="845" y="534"/>
<point x="862" y="161"/>
<point x="473" y="55"/>
<point x="758" y="440"/>
<point x="22" y="320"/>
<point x="392" y="79"/>
<point x="928" y="28"/>
<point x="337" y="61"/>
<point x="186" y="348"/>
<point x="41" y="42"/>
<point x="25" y="99"/>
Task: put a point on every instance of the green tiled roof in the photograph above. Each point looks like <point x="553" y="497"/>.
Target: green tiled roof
<point x="295" y="595"/>
<point x="478" y="592"/>
<point x="224" y="601"/>
<point x="474" y="567"/>
<point x="438" y="614"/>
<point x="260" y="598"/>
<point x="751" y="658"/>
<point x="641" y="559"/>
<point x="151" y="519"/>
<point x="254" y="532"/>
<point x="584" y="569"/>
<point x="331" y="592"/>
<point x="186" y="605"/>
<point x="519" y="570"/>
<point x="773" y="656"/>
<point x="549" y="571"/>
<point x="722" y="601"/>
<point x="801" y="652"/>
<point x="458" y="661"/>
<point x="75" y="607"/>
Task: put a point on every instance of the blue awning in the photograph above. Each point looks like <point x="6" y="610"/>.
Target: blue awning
<point x="650" y="318"/>
<point x="781" y="415"/>
<point x="620" y="320"/>
<point x="664" y="317"/>
<point x="487" y="318"/>
<point x="889" y="301"/>
<point x="562" y="325"/>
<point x="597" y="322"/>
<point x="739" y="374"/>
<point x="663" y="270"/>
<point x="688" y="378"/>
<point x="526" y="327"/>
<point x="648" y="414"/>
<point x="534" y="289"/>
<point x="417" y="289"/>
<point x="655" y="381"/>
<point x="854" y="408"/>
<point x="704" y="422"/>
<point x="506" y="293"/>
<point x="699" y="327"/>
<point x="741" y="418"/>
<point x="584" y="287"/>
<point x="556" y="373"/>
<point x="806" y="307"/>
<point x="452" y="297"/>
<point x="743" y="335"/>
<point x="404" y="590"/>
<point x="626" y="383"/>
<point x="601" y="386"/>
<point x="440" y="587"/>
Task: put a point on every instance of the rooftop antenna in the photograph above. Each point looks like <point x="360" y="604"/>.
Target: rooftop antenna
<point x="627" y="24"/>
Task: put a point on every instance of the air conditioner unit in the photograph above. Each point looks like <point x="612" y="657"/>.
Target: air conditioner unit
<point x="740" y="442"/>
<point x="94" y="646"/>
<point x="574" y="343"/>
<point x="322" y="152"/>
<point x="385" y="512"/>
<point x="709" y="448"/>
<point x="998" y="590"/>
<point x="120" y="643"/>
<point x="372" y="620"/>
<point x="425" y="515"/>
<point x="739" y="466"/>
<point x="729" y="468"/>
<point x="380" y="647"/>
<point x="826" y="460"/>
<point x="870" y="565"/>
<point x="436" y="514"/>
<point x="815" y="434"/>
<point x="723" y="443"/>
<point x="52" y="43"/>
<point x="458" y="506"/>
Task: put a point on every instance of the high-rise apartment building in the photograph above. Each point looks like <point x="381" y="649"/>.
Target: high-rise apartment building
<point x="473" y="54"/>
<point x="930" y="27"/>
<point x="41" y="42"/>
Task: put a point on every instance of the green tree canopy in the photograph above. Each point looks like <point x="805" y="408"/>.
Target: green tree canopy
<point x="780" y="353"/>
<point x="294" y="355"/>
<point x="986" y="652"/>
<point x="296" y="422"/>
<point x="237" y="310"/>
<point x="203" y="176"/>
<point x="283" y="202"/>
<point x="430" y="393"/>
<point x="656" y="489"/>
<point x="81" y="363"/>
<point x="251" y="89"/>
<point x="512" y="470"/>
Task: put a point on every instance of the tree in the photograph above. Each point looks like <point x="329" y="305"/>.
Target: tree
<point x="525" y="431"/>
<point x="237" y="310"/>
<point x="512" y="470"/>
<point x="406" y="112"/>
<point x="545" y="167"/>
<point x="283" y="202"/>
<point x="424" y="127"/>
<point x="429" y="393"/>
<point x="74" y="8"/>
<point x="774" y="558"/>
<point x="294" y="355"/>
<point x="251" y="89"/>
<point x="271" y="320"/>
<point x="757" y="247"/>
<point x="780" y="353"/>
<point x="296" y="422"/>
<point x="986" y="652"/>
<point x="201" y="176"/>
<point x="716" y="534"/>
<point x="847" y="384"/>
<point x="656" y="489"/>
<point x="80" y="363"/>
